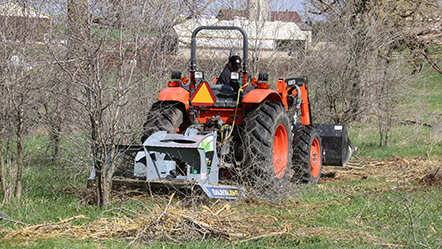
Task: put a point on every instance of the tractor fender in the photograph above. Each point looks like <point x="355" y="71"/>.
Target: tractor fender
<point x="260" y="95"/>
<point x="175" y="94"/>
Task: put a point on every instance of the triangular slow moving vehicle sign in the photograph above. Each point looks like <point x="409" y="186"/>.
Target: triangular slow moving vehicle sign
<point x="203" y="95"/>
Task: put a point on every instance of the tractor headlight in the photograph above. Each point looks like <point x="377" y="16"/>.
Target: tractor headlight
<point x="199" y="75"/>
<point x="234" y="75"/>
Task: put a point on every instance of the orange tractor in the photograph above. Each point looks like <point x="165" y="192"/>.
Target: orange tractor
<point x="200" y="134"/>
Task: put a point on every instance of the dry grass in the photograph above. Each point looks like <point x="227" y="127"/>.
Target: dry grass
<point x="177" y="222"/>
<point x="170" y="222"/>
<point x="413" y="171"/>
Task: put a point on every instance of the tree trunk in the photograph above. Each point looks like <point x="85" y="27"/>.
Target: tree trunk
<point x="2" y="168"/>
<point x="79" y="31"/>
<point x="106" y="188"/>
<point x="20" y="124"/>
<point x="55" y="141"/>
<point x="7" y="175"/>
<point x="98" y="178"/>
<point x="108" y="174"/>
<point x="97" y="150"/>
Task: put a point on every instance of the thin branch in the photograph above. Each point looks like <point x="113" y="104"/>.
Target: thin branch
<point x="15" y="221"/>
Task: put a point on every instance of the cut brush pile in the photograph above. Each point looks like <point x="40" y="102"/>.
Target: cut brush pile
<point x="171" y="223"/>
<point x="407" y="171"/>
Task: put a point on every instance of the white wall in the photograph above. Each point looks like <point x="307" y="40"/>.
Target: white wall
<point x="261" y="34"/>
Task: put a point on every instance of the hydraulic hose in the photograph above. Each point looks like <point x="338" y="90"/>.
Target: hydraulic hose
<point x="240" y="90"/>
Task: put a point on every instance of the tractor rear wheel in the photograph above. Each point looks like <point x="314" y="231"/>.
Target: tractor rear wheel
<point x="163" y="116"/>
<point x="307" y="154"/>
<point x="267" y="143"/>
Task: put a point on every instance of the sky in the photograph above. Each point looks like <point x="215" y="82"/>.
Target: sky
<point x="294" y="5"/>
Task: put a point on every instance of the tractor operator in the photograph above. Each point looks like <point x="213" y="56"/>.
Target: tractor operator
<point x="233" y="65"/>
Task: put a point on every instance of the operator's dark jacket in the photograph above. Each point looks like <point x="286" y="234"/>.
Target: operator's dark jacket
<point x="224" y="79"/>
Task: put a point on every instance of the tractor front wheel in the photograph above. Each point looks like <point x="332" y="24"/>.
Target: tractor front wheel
<point x="307" y="154"/>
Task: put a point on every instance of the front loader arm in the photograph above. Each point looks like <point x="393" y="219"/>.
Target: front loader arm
<point x="286" y="87"/>
<point x="305" y="106"/>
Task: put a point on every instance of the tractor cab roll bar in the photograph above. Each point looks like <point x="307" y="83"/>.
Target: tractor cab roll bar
<point x="193" y="50"/>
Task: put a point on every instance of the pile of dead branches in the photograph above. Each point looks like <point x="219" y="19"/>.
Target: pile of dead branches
<point x="414" y="171"/>
<point x="419" y="171"/>
<point x="170" y="222"/>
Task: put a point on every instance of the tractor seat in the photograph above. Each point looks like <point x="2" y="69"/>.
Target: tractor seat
<point x="222" y="90"/>
<point x="225" y="96"/>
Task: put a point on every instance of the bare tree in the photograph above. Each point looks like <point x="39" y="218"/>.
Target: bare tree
<point x="4" y="118"/>
<point x="109" y="69"/>
<point x="19" y="77"/>
<point x="356" y="64"/>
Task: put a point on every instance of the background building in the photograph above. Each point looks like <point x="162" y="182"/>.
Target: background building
<point x="267" y="30"/>
<point x="21" y="23"/>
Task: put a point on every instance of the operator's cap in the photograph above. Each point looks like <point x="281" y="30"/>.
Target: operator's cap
<point x="235" y="61"/>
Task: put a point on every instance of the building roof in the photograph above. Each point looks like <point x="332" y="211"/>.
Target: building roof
<point x="14" y="9"/>
<point x="285" y="16"/>
<point x="257" y="30"/>
<point x="230" y="14"/>
<point x="281" y="16"/>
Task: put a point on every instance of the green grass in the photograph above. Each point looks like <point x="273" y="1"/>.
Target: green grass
<point x="343" y="213"/>
<point x="405" y="141"/>
<point x="432" y="92"/>
<point x="362" y="213"/>
<point x="63" y="243"/>
<point x="423" y="105"/>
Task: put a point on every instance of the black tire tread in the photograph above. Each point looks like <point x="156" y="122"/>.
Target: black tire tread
<point x="163" y="116"/>
<point x="260" y="124"/>
<point x="301" y="153"/>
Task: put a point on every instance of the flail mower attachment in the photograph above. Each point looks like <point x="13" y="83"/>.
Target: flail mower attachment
<point x="176" y="160"/>
<point x="337" y="147"/>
